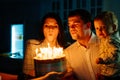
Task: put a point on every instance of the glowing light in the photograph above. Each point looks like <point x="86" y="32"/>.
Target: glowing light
<point x="17" y="40"/>
<point x="13" y="39"/>
<point x="49" y="53"/>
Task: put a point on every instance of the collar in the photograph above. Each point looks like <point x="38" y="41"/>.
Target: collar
<point x="92" y="40"/>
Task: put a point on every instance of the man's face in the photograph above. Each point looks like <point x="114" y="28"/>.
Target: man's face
<point x="77" y="27"/>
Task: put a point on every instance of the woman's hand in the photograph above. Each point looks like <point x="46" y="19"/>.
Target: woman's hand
<point x="53" y="74"/>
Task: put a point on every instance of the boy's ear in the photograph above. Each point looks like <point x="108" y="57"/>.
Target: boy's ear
<point x="114" y="27"/>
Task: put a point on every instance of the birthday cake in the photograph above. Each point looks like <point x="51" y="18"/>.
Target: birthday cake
<point x="49" y="59"/>
<point x="42" y="67"/>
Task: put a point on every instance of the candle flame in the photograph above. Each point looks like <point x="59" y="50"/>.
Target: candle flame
<point x="49" y="53"/>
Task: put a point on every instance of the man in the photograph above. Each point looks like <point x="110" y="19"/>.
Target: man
<point x="81" y="55"/>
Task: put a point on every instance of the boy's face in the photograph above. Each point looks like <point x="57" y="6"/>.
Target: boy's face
<point x="101" y="29"/>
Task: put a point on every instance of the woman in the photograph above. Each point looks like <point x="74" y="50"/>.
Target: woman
<point x="51" y="31"/>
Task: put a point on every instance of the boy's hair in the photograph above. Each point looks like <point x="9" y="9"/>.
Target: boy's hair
<point x="108" y="18"/>
<point x="84" y="14"/>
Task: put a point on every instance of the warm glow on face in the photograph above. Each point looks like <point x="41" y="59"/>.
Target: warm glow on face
<point x="77" y="27"/>
<point x="100" y="28"/>
<point x="50" y="29"/>
<point x="49" y="53"/>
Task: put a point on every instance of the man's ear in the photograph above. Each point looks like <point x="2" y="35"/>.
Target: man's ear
<point x="88" y="25"/>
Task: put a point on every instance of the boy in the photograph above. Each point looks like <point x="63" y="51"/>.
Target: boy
<point x="106" y="27"/>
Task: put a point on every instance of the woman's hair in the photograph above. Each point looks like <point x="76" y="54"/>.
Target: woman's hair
<point x="61" y="36"/>
<point x="109" y="18"/>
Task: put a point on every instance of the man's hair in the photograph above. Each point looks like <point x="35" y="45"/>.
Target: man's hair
<point x="84" y="14"/>
<point x="108" y="18"/>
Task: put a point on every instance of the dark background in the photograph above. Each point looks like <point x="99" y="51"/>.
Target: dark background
<point x="26" y="12"/>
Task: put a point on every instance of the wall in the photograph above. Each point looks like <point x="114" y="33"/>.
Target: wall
<point x="112" y="5"/>
<point x="26" y="12"/>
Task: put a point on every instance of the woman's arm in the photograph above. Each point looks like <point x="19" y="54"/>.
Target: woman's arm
<point x="28" y="66"/>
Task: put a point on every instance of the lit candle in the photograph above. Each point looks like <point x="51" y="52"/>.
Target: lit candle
<point x="49" y="53"/>
<point x="36" y="51"/>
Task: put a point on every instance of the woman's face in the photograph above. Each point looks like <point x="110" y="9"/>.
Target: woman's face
<point x="50" y="29"/>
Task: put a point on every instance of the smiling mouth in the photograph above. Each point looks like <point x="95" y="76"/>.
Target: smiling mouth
<point x="102" y="35"/>
<point x="73" y="32"/>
